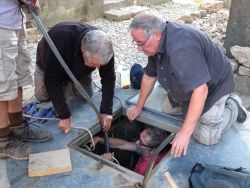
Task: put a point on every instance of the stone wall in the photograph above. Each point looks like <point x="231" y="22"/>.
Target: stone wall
<point x="227" y="3"/>
<point x="56" y="11"/>
<point x="241" y="68"/>
<point x="212" y="19"/>
<point x="149" y="2"/>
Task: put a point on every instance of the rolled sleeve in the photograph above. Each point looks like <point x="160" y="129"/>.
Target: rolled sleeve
<point x="151" y="69"/>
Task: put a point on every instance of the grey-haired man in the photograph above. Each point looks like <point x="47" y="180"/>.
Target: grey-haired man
<point x="196" y="74"/>
<point x="83" y="48"/>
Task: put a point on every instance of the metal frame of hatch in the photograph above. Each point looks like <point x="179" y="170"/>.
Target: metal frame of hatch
<point x="157" y="119"/>
<point x="84" y="137"/>
<point x="176" y="118"/>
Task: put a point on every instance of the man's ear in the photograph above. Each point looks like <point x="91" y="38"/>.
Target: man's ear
<point x="82" y="48"/>
<point x="158" y="35"/>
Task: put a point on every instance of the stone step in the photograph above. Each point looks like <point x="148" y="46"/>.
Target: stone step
<point x="115" y="4"/>
<point x="124" y="13"/>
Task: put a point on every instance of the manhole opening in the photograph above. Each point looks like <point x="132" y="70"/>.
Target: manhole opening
<point x="134" y="132"/>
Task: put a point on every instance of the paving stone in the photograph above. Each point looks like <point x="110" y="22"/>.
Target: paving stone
<point x="48" y="163"/>
<point x="115" y="4"/>
<point x="124" y="13"/>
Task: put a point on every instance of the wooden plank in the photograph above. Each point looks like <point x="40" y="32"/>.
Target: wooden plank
<point x="48" y="163"/>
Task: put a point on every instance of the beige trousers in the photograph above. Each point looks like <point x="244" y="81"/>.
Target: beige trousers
<point x="214" y="122"/>
<point x="14" y="63"/>
<point x="42" y="94"/>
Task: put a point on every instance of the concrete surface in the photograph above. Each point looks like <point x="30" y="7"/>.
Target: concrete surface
<point x="4" y="181"/>
<point x="232" y="151"/>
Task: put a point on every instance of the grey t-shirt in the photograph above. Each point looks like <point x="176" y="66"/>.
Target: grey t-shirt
<point x="186" y="59"/>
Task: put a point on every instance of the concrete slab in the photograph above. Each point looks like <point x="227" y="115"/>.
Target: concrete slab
<point x="48" y="163"/>
<point x="232" y="151"/>
<point x="4" y="181"/>
<point x="124" y="13"/>
<point x="153" y="114"/>
<point x="86" y="172"/>
<point x="152" y="104"/>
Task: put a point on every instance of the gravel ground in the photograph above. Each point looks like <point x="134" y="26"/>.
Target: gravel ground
<point x="126" y="53"/>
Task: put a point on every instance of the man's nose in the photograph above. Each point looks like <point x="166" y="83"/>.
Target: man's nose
<point x="97" y="66"/>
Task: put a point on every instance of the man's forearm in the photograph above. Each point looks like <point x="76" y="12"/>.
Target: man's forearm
<point x="114" y="142"/>
<point x="195" y="108"/>
<point x="119" y="143"/>
<point x="146" y="88"/>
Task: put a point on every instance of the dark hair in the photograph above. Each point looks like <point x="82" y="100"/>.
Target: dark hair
<point x="157" y="136"/>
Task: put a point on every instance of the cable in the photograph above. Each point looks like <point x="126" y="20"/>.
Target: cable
<point x="42" y="118"/>
<point x="93" y="142"/>
<point x="115" y="160"/>
<point x="73" y="126"/>
<point x="114" y="95"/>
<point x="91" y="136"/>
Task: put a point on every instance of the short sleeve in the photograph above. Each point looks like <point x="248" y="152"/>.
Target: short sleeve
<point x="151" y="69"/>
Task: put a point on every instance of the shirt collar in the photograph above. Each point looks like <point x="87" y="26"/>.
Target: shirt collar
<point x="162" y="46"/>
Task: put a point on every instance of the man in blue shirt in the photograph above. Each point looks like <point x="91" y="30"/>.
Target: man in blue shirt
<point x="196" y="75"/>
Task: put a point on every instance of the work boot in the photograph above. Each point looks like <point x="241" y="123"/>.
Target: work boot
<point x="242" y="113"/>
<point x="30" y="133"/>
<point x="14" y="149"/>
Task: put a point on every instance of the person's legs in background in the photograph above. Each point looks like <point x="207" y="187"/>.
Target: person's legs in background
<point x="9" y="147"/>
<point x="22" y="131"/>
<point x="14" y="74"/>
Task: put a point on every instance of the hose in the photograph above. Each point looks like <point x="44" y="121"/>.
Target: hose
<point x="151" y="165"/>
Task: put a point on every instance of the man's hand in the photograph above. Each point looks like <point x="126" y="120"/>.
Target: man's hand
<point x="195" y="108"/>
<point x="65" y="124"/>
<point x="133" y="112"/>
<point x="34" y="4"/>
<point x="180" y="143"/>
<point x="108" y="156"/>
<point x="107" y="120"/>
